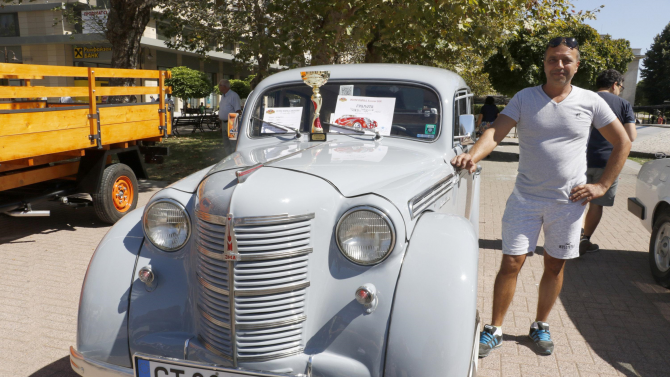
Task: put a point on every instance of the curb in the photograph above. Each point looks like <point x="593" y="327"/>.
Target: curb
<point x="642" y="154"/>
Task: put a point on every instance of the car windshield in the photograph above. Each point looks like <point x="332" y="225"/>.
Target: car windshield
<point x="397" y="110"/>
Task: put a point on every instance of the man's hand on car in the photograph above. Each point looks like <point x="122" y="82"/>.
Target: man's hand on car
<point x="464" y="161"/>
<point x="587" y="192"/>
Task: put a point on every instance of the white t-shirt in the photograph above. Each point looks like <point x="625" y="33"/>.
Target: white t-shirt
<point x="230" y="103"/>
<point x="553" y="138"/>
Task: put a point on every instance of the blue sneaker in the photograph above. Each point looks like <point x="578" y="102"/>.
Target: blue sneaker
<point x="488" y="341"/>
<point x="539" y="332"/>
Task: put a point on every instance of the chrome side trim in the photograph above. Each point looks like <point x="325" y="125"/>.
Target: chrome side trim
<point x="209" y="286"/>
<point x="255" y="257"/>
<point x="296" y="351"/>
<point x="427" y="197"/>
<point x="260" y="292"/>
<point x="213" y="350"/>
<point x="271" y="220"/>
<point x="298" y="319"/>
<point x="214" y="219"/>
<point x="212" y="319"/>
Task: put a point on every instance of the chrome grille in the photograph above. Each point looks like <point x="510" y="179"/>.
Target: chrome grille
<point x="269" y="285"/>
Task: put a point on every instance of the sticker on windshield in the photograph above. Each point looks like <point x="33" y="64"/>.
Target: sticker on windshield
<point x="425" y="136"/>
<point x="365" y="113"/>
<point x="283" y="116"/>
<point x="430" y="129"/>
<point x="346" y="90"/>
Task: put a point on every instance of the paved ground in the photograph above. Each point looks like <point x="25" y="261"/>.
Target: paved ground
<point x="652" y="140"/>
<point x="611" y="319"/>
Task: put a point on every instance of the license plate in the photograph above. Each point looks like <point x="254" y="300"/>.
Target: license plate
<point x="151" y="367"/>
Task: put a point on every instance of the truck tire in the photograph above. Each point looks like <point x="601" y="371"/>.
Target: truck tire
<point x="659" y="250"/>
<point x="117" y="193"/>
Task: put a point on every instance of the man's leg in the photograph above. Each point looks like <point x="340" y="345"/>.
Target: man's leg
<point x="550" y="286"/>
<point x="593" y="216"/>
<point x="505" y="286"/>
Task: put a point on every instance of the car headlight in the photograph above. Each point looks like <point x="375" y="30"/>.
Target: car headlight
<point x="167" y="225"/>
<point x="365" y="235"/>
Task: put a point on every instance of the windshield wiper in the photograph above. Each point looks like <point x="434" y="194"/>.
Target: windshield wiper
<point x="286" y="128"/>
<point x="362" y="131"/>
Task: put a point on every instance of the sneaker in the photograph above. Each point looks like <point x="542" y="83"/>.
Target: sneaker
<point x="539" y="332"/>
<point x="488" y="341"/>
<point x="586" y="246"/>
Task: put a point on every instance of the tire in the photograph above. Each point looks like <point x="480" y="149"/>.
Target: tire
<point x="117" y="193"/>
<point x="659" y="250"/>
<point x="357" y="126"/>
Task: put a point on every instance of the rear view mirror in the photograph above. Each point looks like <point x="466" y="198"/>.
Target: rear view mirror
<point x="233" y="126"/>
<point x="466" y="127"/>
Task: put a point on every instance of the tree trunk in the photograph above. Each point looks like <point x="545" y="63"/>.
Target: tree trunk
<point x="372" y="52"/>
<point x="125" y="26"/>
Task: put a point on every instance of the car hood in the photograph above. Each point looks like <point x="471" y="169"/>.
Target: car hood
<point x="397" y="170"/>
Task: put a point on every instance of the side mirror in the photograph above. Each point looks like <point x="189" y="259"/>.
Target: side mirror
<point x="233" y="126"/>
<point x="466" y="124"/>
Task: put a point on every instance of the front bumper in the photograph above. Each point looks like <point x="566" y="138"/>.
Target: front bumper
<point x="91" y="368"/>
<point x="636" y="207"/>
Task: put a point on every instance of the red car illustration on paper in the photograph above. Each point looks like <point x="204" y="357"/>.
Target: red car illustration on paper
<point x="356" y="122"/>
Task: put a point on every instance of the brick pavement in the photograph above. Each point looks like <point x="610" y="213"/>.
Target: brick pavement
<point x="43" y="262"/>
<point x="611" y="319"/>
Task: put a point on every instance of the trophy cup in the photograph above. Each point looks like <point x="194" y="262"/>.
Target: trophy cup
<point x="316" y="79"/>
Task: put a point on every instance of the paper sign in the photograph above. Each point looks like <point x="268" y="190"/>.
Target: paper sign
<point x="285" y="116"/>
<point x="365" y="112"/>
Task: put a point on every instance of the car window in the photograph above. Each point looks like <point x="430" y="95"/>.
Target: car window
<point x="415" y="113"/>
<point x="462" y="105"/>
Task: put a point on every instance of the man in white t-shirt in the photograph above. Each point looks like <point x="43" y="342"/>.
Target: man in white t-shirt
<point x="230" y="103"/>
<point x="550" y="193"/>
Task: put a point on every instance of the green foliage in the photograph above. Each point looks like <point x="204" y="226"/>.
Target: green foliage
<point x="189" y="83"/>
<point x="519" y="63"/>
<point x="656" y="70"/>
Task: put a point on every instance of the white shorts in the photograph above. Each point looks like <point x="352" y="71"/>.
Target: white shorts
<point x="523" y="219"/>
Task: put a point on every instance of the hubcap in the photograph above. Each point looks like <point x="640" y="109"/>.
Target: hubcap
<point x="122" y="193"/>
<point x="662" y="248"/>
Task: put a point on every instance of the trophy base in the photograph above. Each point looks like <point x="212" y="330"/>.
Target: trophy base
<point x="317" y="137"/>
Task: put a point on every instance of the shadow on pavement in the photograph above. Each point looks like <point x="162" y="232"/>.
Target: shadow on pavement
<point x="60" y="368"/>
<point x="622" y="314"/>
<point x="499" y="156"/>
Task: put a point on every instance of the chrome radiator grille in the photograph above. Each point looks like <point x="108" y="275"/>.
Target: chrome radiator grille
<point x="269" y="284"/>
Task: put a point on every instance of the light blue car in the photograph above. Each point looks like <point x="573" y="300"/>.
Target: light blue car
<point x="355" y="256"/>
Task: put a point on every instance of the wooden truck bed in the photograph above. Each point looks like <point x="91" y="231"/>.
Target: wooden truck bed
<point x="39" y="143"/>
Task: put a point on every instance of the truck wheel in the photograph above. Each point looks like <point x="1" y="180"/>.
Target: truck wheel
<point x="659" y="250"/>
<point x="117" y="194"/>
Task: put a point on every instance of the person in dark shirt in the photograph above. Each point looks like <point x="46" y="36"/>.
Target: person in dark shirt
<point x="487" y="115"/>
<point x="610" y="85"/>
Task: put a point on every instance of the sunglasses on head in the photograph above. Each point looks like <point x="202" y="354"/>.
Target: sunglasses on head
<point x="570" y="42"/>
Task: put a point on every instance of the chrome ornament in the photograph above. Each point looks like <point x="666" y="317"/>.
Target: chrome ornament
<point x="231" y="253"/>
<point x="316" y="79"/>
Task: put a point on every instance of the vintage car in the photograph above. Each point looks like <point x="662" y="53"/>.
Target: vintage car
<point x="652" y="205"/>
<point x="356" y="122"/>
<point x="355" y="256"/>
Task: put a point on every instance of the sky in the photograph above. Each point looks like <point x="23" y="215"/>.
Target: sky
<point x="639" y="21"/>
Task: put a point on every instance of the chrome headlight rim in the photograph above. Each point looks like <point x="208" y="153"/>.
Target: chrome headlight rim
<point x="384" y="217"/>
<point x="188" y="222"/>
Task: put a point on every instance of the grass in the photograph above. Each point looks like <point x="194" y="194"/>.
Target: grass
<point x="640" y="160"/>
<point x="188" y="154"/>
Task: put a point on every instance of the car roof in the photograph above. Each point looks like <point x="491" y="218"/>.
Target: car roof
<point x="445" y="81"/>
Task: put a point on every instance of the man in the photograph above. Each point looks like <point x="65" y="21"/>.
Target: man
<point x="230" y="103"/>
<point x="554" y="121"/>
<point x="610" y="85"/>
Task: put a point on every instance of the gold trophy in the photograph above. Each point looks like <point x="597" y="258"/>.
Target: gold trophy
<point x="316" y="79"/>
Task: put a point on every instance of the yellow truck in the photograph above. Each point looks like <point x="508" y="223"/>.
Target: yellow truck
<point x="63" y="151"/>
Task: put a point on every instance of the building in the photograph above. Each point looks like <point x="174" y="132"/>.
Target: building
<point x="32" y="33"/>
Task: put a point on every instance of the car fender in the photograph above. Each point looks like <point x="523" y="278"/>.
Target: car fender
<point x="102" y="331"/>
<point x="435" y="305"/>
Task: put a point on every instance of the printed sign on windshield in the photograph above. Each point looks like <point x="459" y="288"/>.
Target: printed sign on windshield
<point x="365" y="113"/>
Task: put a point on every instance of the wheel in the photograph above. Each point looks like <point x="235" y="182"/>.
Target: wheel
<point x="357" y="126"/>
<point x="659" y="250"/>
<point x="117" y="194"/>
<point x="213" y="125"/>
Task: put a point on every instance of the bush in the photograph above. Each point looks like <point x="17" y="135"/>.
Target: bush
<point x="241" y="87"/>
<point x="189" y="83"/>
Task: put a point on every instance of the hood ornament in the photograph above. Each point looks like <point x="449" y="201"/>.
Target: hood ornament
<point x="231" y="253"/>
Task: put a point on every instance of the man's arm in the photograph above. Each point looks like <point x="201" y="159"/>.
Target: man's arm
<point x="630" y="130"/>
<point x="617" y="136"/>
<point x="486" y="143"/>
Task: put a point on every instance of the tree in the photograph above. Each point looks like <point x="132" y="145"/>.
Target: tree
<point x="188" y="83"/>
<point x="656" y="70"/>
<point x="519" y="63"/>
